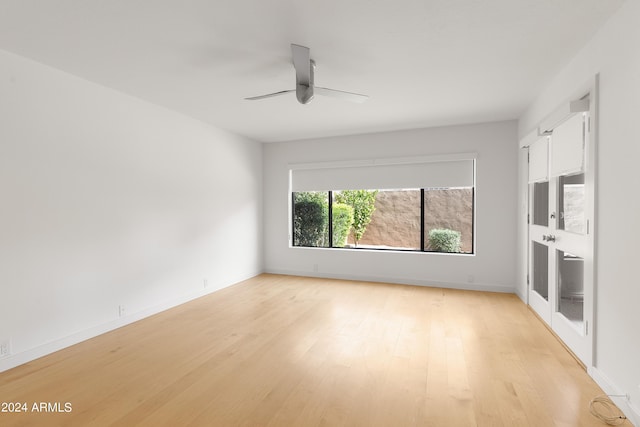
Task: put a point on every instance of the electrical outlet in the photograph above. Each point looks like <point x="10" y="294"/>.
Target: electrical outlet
<point x="121" y="310"/>
<point x="315" y="268"/>
<point x="5" y="348"/>
<point x="206" y="283"/>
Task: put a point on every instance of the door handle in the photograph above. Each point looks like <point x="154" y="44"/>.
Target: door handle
<point x="549" y="238"/>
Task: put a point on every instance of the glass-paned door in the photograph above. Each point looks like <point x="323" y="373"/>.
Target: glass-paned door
<point x="541" y="221"/>
<point x="561" y="253"/>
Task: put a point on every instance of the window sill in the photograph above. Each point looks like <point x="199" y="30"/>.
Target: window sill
<point x="384" y="250"/>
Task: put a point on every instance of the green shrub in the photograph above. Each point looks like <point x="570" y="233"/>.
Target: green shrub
<point x="342" y="221"/>
<point x="310" y="216"/>
<point x="363" y="204"/>
<point x="444" y="240"/>
<point x="319" y="197"/>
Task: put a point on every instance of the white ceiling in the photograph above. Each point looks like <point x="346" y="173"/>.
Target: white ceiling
<point x="422" y="62"/>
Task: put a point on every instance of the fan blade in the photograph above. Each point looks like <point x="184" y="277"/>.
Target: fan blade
<point x="302" y="63"/>
<point x="340" y="94"/>
<point x="282" y="92"/>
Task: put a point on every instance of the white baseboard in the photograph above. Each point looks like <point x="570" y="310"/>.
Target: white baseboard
<point x="521" y="295"/>
<point x="27" y="356"/>
<point x="400" y="281"/>
<point x="630" y="410"/>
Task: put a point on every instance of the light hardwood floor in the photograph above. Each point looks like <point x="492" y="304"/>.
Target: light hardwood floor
<point x="293" y="351"/>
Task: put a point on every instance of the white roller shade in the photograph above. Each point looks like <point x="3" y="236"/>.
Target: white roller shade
<point x="539" y="160"/>
<point x="567" y="147"/>
<point x="383" y="174"/>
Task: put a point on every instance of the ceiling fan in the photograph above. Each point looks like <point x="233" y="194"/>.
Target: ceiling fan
<point x="305" y="87"/>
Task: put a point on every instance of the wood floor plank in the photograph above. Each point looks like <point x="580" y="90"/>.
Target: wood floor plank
<point x="293" y="351"/>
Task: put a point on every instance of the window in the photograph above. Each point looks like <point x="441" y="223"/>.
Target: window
<point x="427" y="219"/>
<point x="408" y="204"/>
<point x="571" y="204"/>
<point x="541" y="203"/>
<point x="310" y="219"/>
<point x="395" y="222"/>
<point x="448" y="209"/>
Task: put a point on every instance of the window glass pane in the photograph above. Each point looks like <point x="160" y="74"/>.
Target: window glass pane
<point x="541" y="203"/>
<point x="541" y="270"/>
<point x="395" y="221"/>
<point x="571" y="287"/>
<point x="342" y="217"/>
<point x="448" y="219"/>
<point x="571" y="204"/>
<point x="310" y="219"/>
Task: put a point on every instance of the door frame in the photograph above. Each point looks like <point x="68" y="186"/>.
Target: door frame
<point x="586" y="354"/>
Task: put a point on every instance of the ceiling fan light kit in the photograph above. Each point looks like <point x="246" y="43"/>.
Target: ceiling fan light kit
<point x="305" y="86"/>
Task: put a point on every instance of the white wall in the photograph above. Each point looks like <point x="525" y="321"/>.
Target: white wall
<point x="494" y="265"/>
<point x="106" y="200"/>
<point x="613" y="53"/>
